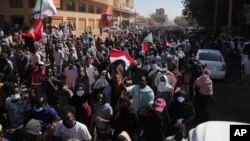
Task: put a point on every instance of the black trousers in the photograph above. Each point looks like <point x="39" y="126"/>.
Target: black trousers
<point x="201" y="103"/>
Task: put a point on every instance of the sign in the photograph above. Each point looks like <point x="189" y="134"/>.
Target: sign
<point x="239" y="132"/>
<point x="57" y="3"/>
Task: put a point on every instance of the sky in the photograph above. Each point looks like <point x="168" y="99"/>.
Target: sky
<point x="172" y="8"/>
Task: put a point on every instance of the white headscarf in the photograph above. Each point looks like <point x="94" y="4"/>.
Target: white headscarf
<point x="101" y="82"/>
<point x="164" y="86"/>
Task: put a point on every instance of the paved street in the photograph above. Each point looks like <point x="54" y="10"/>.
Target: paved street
<point x="231" y="102"/>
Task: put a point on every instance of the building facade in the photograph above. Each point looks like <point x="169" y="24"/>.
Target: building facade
<point x="83" y="13"/>
<point x="160" y="12"/>
<point x="122" y="12"/>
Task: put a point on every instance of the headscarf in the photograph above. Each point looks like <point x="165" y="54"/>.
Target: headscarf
<point x="205" y="83"/>
<point x="101" y="82"/>
<point x="164" y="86"/>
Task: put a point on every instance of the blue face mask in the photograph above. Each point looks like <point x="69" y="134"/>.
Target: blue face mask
<point x="80" y="93"/>
<point x="181" y="99"/>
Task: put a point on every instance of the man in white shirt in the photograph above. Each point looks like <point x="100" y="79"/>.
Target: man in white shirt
<point x="68" y="128"/>
<point x="92" y="73"/>
<point x="35" y="58"/>
<point x="59" y="57"/>
<point x="71" y="75"/>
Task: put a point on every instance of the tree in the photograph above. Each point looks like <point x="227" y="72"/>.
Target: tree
<point x="203" y="11"/>
<point x="181" y="21"/>
<point x="159" y="19"/>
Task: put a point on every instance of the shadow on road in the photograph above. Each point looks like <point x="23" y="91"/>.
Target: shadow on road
<point x="231" y="102"/>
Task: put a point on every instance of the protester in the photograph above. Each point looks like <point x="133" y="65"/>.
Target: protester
<point x="181" y="110"/>
<point x="165" y="90"/>
<point x="157" y="124"/>
<point x="45" y="115"/>
<point x="125" y="119"/>
<point x="179" y="133"/>
<point x="118" y="90"/>
<point x="69" y="128"/>
<point x="80" y="102"/>
<point x="33" y="131"/>
<point x="101" y="119"/>
<point x="18" y="112"/>
<point x="203" y="91"/>
<point x="143" y="95"/>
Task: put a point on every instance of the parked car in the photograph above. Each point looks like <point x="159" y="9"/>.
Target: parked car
<point x="240" y="39"/>
<point x="213" y="131"/>
<point x="112" y="30"/>
<point x="214" y="61"/>
<point x="245" y="50"/>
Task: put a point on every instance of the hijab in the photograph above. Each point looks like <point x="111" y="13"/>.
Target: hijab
<point x="163" y="86"/>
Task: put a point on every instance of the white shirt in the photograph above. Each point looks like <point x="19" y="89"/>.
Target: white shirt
<point x="59" y="56"/>
<point x="246" y="64"/>
<point x="35" y="58"/>
<point x="171" y="138"/>
<point x="91" y="73"/>
<point x="79" y="131"/>
<point x="71" y="76"/>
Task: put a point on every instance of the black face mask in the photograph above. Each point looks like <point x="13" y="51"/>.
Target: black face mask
<point x="123" y="110"/>
<point x="69" y="123"/>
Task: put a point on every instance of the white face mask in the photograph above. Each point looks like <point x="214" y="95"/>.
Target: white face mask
<point x="138" y="66"/>
<point x="39" y="109"/>
<point x="16" y="96"/>
<point x="162" y="83"/>
<point x="80" y="93"/>
<point x="181" y="99"/>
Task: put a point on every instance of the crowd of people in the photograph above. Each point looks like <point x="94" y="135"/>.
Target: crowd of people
<point x="72" y="91"/>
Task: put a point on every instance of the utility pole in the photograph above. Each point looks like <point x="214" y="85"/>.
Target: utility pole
<point x="230" y="9"/>
<point x="215" y="15"/>
<point x="120" y="15"/>
<point x="135" y="17"/>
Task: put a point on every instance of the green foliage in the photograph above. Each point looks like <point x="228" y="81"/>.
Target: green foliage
<point x="159" y="19"/>
<point x="203" y="11"/>
<point x="181" y="21"/>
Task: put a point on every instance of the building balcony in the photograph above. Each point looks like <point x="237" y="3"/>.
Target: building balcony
<point x="104" y="2"/>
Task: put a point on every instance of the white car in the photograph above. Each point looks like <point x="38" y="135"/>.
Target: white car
<point x="238" y="39"/>
<point x="213" y="131"/>
<point x="112" y="30"/>
<point x="214" y="61"/>
<point x="245" y="50"/>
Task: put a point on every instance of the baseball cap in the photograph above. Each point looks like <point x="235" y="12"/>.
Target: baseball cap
<point x="159" y="104"/>
<point x="33" y="127"/>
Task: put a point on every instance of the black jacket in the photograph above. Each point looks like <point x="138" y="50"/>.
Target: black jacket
<point x="155" y="129"/>
<point x="128" y="121"/>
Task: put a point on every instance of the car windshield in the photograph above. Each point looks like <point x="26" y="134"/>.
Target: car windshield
<point x="208" y="56"/>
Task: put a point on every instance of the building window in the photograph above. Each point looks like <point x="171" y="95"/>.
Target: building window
<point x="82" y="7"/>
<point x="15" y="3"/>
<point x="32" y="3"/>
<point x="91" y="9"/>
<point x="71" y="5"/>
<point x="98" y="10"/>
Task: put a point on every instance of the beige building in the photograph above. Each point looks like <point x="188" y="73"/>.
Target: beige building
<point x="122" y="12"/>
<point x="84" y="13"/>
<point x="160" y="12"/>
